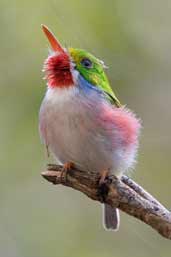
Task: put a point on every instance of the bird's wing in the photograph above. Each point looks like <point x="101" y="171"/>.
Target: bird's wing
<point x="113" y="99"/>
<point x="106" y="88"/>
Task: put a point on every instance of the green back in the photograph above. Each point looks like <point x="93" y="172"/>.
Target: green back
<point x="95" y="73"/>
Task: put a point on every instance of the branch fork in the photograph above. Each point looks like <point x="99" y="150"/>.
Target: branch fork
<point x="122" y="193"/>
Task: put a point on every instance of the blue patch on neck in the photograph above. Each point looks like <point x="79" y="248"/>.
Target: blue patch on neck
<point x="87" y="87"/>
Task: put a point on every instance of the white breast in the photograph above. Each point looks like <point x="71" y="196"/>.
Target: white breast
<point x="68" y="125"/>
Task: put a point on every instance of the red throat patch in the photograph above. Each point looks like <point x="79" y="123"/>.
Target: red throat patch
<point x="58" y="70"/>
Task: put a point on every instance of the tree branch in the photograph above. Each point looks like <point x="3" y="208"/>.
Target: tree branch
<point x="124" y="194"/>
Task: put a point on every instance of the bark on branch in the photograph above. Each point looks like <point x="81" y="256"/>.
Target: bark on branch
<point x="124" y="194"/>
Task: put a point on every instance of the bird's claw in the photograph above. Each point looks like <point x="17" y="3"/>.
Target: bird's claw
<point x="104" y="182"/>
<point x="103" y="177"/>
<point x="66" y="168"/>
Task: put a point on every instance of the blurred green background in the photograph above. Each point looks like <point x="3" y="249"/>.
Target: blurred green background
<point x="134" y="39"/>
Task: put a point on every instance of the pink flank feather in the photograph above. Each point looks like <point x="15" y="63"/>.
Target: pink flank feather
<point x="125" y="122"/>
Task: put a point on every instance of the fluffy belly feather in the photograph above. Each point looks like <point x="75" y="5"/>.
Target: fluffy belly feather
<point x="88" y="131"/>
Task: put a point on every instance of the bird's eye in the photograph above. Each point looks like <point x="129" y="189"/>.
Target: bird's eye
<point x="87" y="63"/>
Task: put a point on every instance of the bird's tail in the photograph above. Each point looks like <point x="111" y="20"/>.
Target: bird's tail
<point x="111" y="218"/>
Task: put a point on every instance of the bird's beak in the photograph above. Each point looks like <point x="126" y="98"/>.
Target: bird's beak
<point x="56" y="46"/>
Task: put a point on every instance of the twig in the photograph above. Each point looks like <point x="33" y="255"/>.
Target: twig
<point x="141" y="191"/>
<point x="124" y="194"/>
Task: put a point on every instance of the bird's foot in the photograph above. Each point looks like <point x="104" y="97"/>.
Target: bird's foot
<point x="104" y="183"/>
<point x="103" y="177"/>
<point x="66" y="168"/>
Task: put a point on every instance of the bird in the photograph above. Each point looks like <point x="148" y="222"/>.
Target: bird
<point x="82" y="122"/>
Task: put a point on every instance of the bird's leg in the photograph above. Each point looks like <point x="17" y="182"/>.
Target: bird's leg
<point x="67" y="167"/>
<point x="103" y="184"/>
<point x="103" y="175"/>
